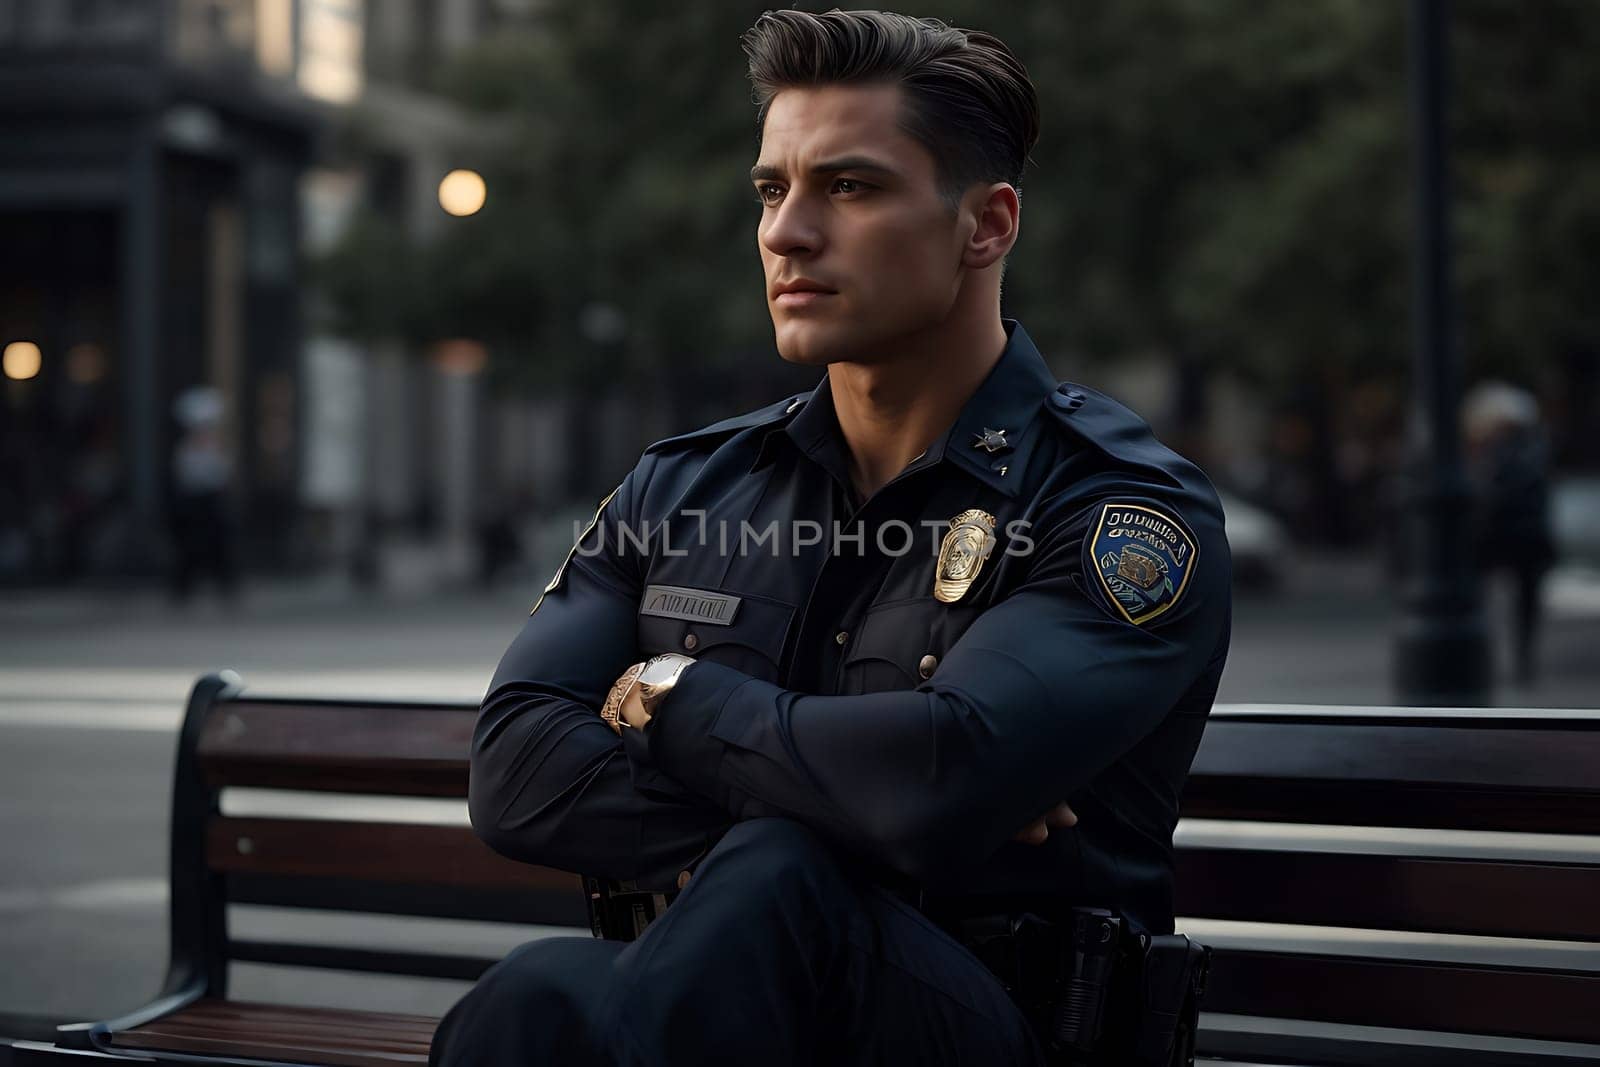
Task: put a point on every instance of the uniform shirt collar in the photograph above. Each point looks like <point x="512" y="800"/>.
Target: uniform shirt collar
<point x="1007" y="401"/>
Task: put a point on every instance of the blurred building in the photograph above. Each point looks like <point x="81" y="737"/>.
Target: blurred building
<point x="167" y="168"/>
<point x="396" y="439"/>
<point x="150" y="154"/>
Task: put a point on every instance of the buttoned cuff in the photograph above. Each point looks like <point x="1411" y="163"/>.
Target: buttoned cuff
<point x="709" y="707"/>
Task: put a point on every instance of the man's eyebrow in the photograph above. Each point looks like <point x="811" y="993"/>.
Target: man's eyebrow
<point x="762" y="172"/>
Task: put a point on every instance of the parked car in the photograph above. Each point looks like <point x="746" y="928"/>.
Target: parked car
<point x="1259" y="543"/>
<point x="1575" y="520"/>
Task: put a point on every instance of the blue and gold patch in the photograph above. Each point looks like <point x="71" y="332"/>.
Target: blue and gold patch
<point x="1143" y="557"/>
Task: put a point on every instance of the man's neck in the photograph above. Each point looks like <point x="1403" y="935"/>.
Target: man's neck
<point x="890" y="412"/>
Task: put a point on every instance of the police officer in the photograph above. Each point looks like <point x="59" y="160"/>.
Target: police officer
<point x="936" y="638"/>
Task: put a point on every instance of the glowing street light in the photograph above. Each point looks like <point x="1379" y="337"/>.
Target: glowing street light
<point x="21" y="360"/>
<point x="462" y="192"/>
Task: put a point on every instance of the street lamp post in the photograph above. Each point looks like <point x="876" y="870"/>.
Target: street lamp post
<point x="1441" y="651"/>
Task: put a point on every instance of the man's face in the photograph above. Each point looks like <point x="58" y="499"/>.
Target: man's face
<point x="851" y="202"/>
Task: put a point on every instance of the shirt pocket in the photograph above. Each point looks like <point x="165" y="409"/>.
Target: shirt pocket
<point x="900" y="644"/>
<point x="751" y="643"/>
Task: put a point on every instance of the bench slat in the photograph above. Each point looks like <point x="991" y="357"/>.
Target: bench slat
<point x="1390" y="892"/>
<point x="270" y="1047"/>
<point x="310" y="1018"/>
<point x="293" y="1034"/>
<point x="539" y="907"/>
<point x="1542" y="758"/>
<point x="384" y="852"/>
<point x="1257" y="1040"/>
<point x="1376" y="803"/>
<point x="399" y="750"/>
<point x="1545" y="1005"/>
<point x="372" y="961"/>
<point x="281" y="1032"/>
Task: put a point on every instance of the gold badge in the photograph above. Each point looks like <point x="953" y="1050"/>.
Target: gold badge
<point x="961" y="554"/>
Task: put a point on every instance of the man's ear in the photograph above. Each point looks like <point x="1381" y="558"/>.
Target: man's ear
<point x="995" y="216"/>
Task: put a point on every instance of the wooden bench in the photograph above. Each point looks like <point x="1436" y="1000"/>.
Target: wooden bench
<point x="1396" y="885"/>
<point x="231" y="741"/>
<point x="1305" y="830"/>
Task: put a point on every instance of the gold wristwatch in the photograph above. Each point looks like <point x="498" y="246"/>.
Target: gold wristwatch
<point x="611" y="710"/>
<point x="660" y="674"/>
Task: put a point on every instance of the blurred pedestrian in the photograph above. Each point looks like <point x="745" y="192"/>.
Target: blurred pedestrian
<point x="202" y="476"/>
<point x="1508" y="456"/>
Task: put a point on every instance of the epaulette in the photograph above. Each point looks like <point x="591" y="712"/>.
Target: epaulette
<point x="1109" y="427"/>
<point x="773" y="414"/>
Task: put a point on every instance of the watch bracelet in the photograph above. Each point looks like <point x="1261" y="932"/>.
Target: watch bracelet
<point x="611" y="710"/>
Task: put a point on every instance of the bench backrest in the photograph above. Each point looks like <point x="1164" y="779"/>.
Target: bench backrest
<point x="316" y="758"/>
<point x="1465" y="837"/>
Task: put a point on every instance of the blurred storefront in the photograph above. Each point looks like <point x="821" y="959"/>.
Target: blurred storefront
<point x="149" y="161"/>
<point x="168" y="170"/>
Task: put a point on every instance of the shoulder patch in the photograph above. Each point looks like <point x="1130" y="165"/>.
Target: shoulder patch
<point x="1141" y="556"/>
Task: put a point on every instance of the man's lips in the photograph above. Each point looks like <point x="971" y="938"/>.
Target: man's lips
<point x="798" y="298"/>
<point x="797" y="293"/>
<point x="800" y="284"/>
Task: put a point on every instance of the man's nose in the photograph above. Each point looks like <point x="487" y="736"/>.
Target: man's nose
<point x="792" y="228"/>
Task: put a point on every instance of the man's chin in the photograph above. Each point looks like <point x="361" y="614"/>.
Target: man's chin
<point x="811" y="344"/>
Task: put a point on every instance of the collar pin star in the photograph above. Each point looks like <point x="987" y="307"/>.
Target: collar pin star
<point x="991" y="441"/>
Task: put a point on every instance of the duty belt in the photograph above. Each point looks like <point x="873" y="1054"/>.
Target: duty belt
<point x="1096" y="991"/>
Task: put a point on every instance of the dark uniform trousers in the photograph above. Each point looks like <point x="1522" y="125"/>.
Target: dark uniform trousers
<point x="907" y="702"/>
<point x="775" y="953"/>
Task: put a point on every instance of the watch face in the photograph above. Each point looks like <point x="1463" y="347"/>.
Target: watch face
<point x="657" y="671"/>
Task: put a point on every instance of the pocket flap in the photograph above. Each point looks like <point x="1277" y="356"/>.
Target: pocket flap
<point x="759" y="627"/>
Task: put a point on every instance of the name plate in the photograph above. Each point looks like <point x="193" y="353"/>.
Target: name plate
<point x="691" y="605"/>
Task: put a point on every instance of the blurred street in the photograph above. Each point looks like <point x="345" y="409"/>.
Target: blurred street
<point x="91" y="690"/>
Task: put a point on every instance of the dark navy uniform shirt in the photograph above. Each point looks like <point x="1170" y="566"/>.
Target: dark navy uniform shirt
<point x="832" y="686"/>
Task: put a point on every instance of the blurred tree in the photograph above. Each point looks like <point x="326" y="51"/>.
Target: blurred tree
<point x="1529" y="204"/>
<point x="1221" y="183"/>
<point x="366" y="281"/>
<point x="620" y="222"/>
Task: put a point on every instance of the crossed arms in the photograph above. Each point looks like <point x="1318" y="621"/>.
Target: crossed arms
<point x="1043" y="691"/>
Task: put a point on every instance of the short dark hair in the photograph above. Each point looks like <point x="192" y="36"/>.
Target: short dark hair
<point x="969" y="99"/>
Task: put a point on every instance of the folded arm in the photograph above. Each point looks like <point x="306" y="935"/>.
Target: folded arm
<point x="1044" y="690"/>
<point x="550" y="782"/>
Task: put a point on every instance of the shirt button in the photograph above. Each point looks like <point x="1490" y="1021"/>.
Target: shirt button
<point x="691" y="642"/>
<point x="927" y="665"/>
<point x="840" y="638"/>
<point x="1067" y="399"/>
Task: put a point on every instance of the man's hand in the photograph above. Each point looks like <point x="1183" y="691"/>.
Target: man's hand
<point x="632" y="710"/>
<point x="1036" y="832"/>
